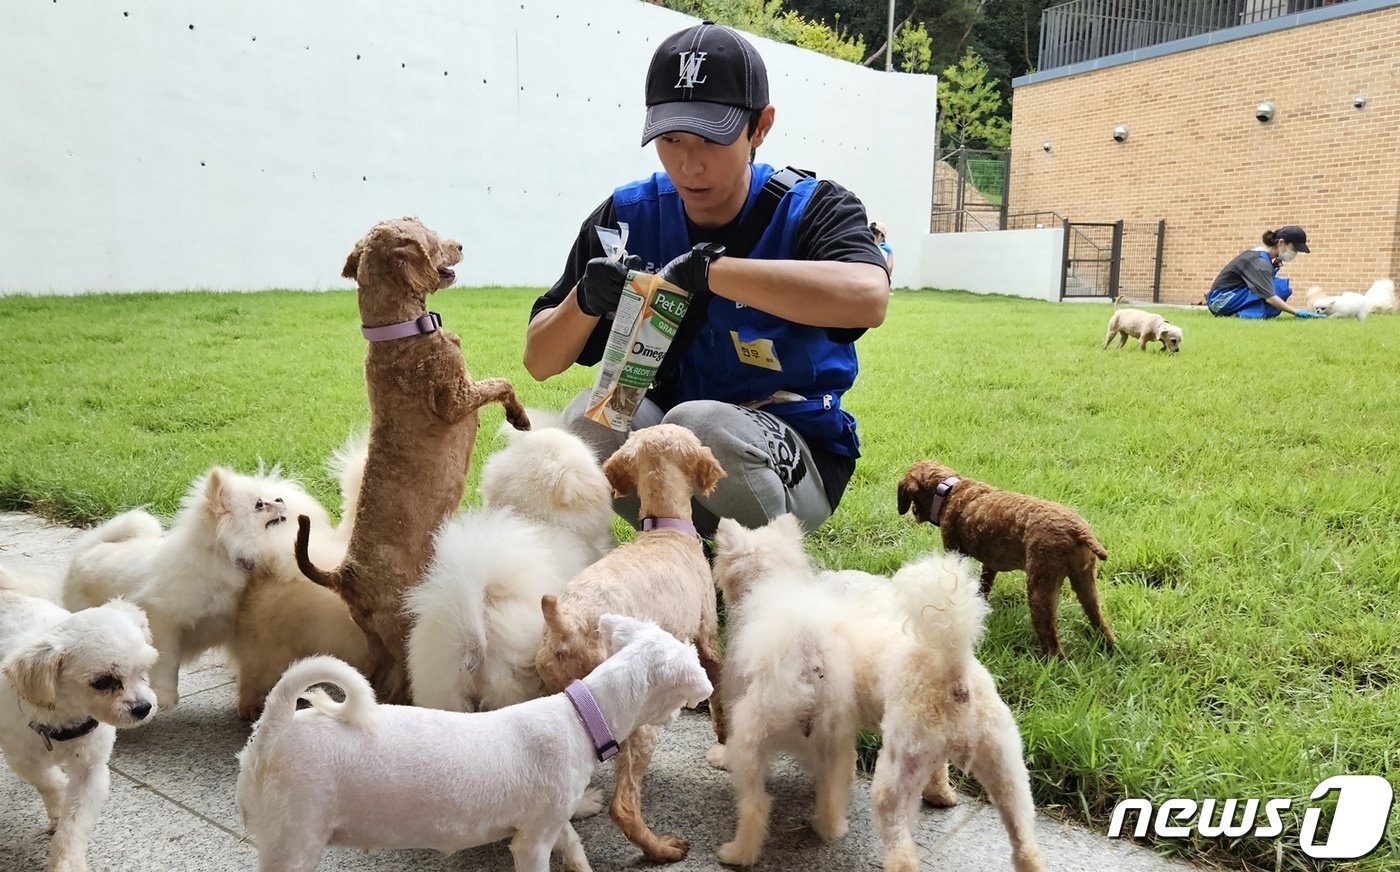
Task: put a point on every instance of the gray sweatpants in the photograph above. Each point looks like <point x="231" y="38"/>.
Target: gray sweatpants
<point x="768" y="467"/>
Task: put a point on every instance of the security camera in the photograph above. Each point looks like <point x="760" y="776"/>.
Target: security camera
<point x="1264" y="112"/>
<point x="1120" y="133"/>
<point x="1359" y="102"/>
<point x="1046" y="145"/>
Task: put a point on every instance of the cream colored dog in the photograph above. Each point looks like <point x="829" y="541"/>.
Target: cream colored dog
<point x="70" y="680"/>
<point x="1380" y="297"/>
<point x="284" y="616"/>
<point x="661" y="576"/>
<point x="1143" y="326"/>
<point x="365" y="775"/>
<point x="897" y="657"/>
<point x="190" y="579"/>
<point x="477" y="623"/>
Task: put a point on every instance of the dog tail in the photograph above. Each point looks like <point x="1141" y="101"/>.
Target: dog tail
<point x="945" y="609"/>
<point x="330" y="579"/>
<point x="1118" y="301"/>
<point x="299" y="681"/>
<point x="448" y="641"/>
<point x="135" y="524"/>
<point x="347" y="464"/>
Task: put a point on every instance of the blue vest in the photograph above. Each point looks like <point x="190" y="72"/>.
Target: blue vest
<point x="813" y="366"/>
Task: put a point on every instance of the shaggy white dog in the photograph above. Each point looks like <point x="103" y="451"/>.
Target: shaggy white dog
<point x="189" y="579"/>
<point x="365" y="775"/>
<point x="476" y="616"/>
<point x="898" y="659"/>
<point x="70" y="679"/>
<point x="1380" y="297"/>
<point x="1348" y="304"/>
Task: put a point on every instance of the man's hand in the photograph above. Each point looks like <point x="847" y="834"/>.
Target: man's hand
<point x="601" y="285"/>
<point x="691" y="271"/>
<point x="1307" y="313"/>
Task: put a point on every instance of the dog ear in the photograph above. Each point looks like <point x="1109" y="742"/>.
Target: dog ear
<point x="619" y="631"/>
<point x="571" y="488"/>
<point x="907" y="489"/>
<point x="788" y="525"/>
<point x="556" y="617"/>
<point x="621" y="469"/>
<point x="351" y="270"/>
<point x="215" y="488"/>
<point x="135" y="613"/>
<point x="726" y="534"/>
<point x="33" y="672"/>
<point x="704" y="470"/>
<point x="417" y="265"/>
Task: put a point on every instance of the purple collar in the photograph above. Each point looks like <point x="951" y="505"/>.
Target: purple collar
<point x="940" y="498"/>
<point x="423" y="324"/>
<point x="587" y="707"/>
<point x="680" y="524"/>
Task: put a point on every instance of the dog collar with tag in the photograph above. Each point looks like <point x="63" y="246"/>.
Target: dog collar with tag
<point x="423" y="324"/>
<point x="51" y="734"/>
<point x="940" y="498"/>
<point x="679" y="524"/>
<point x="604" y="745"/>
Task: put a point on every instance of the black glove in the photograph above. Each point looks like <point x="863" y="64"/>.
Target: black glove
<point x="601" y="285"/>
<point x="691" y="271"/>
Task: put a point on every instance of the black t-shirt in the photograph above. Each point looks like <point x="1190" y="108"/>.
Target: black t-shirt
<point x="833" y="226"/>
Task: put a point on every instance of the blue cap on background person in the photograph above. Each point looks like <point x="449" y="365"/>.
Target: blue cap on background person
<point x="705" y="80"/>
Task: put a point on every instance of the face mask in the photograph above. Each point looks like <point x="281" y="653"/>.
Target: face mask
<point x="1286" y="254"/>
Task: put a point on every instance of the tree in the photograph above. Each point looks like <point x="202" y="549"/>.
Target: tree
<point x="914" y="48"/>
<point x="768" y="18"/>
<point x="968" y="107"/>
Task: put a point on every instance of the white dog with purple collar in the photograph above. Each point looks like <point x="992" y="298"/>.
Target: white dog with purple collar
<point x="363" y="775"/>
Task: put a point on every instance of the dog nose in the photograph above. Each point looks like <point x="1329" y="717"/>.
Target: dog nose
<point x="140" y="711"/>
<point x="460" y="248"/>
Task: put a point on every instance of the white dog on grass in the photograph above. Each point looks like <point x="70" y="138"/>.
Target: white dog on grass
<point x="370" y="776"/>
<point x="896" y="657"/>
<point x="70" y="679"/>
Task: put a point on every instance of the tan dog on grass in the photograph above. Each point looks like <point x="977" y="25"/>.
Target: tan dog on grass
<point x="662" y="576"/>
<point x="423" y="419"/>
<point x="1006" y="531"/>
<point x="1143" y="326"/>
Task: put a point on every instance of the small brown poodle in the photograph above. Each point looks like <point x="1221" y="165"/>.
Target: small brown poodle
<point x="664" y="577"/>
<point x="423" y="420"/>
<point x="1006" y="531"/>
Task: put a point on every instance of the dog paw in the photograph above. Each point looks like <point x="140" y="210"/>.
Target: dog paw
<point x="589" y="804"/>
<point x="902" y="858"/>
<point x="830" y="830"/>
<point x="715" y="757"/>
<point x="166" y="698"/>
<point x="667" y="849"/>
<point x="942" y="796"/>
<point x="731" y="854"/>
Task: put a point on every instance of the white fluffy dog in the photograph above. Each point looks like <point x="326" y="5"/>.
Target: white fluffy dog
<point x="365" y="775"/>
<point x="1348" y="304"/>
<point x="1380" y="297"/>
<point x="189" y="579"/>
<point x="70" y="679"/>
<point x="476" y="617"/>
<point x="899" y="660"/>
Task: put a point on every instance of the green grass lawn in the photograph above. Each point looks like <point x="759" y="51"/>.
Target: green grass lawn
<point x="1247" y="490"/>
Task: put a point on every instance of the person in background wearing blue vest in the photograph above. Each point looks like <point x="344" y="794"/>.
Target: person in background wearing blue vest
<point x="882" y="239"/>
<point x="782" y="281"/>
<point x="1249" y="286"/>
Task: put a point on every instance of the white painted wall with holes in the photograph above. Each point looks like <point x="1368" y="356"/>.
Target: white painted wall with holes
<point x="163" y="144"/>
<point x="1020" y="263"/>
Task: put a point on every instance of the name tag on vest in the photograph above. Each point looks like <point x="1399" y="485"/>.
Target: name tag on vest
<point x="759" y="352"/>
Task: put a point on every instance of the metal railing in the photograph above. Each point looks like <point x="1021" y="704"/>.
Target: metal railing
<point x="1085" y="30"/>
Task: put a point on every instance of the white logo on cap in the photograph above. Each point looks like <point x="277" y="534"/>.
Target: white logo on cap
<point x="690" y="69"/>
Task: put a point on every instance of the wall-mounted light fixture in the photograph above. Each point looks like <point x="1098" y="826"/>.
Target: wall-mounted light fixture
<point x="1046" y="145"/>
<point x="1264" y="113"/>
<point x="1120" y="133"/>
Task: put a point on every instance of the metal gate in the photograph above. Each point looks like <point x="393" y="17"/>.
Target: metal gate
<point x="1104" y="260"/>
<point x="969" y="190"/>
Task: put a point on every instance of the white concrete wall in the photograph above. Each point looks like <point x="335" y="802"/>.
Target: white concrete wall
<point x="1021" y="263"/>
<point x="165" y="144"/>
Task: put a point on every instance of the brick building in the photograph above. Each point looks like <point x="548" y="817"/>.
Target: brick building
<point x="1196" y="156"/>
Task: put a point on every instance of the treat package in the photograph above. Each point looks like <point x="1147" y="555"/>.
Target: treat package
<point x="648" y="315"/>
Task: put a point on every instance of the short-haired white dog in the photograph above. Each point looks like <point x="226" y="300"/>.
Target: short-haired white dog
<point x="1348" y="304"/>
<point x="70" y="679"/>
<point x="476" y="617"/>
<point x="897" y="657"/>
<point x="190" y="579"/>
<point x="381" y="776"/>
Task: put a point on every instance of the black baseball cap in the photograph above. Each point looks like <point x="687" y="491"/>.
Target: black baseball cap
<point x="1294" y="236"/>
<point x="705" y="80"/>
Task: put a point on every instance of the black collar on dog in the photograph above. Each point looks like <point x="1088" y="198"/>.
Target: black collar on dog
<point x="51" y="734"/>
<point x="940" y="498"/>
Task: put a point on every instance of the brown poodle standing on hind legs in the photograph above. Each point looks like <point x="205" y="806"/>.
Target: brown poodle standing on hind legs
<point x="423" y="420"/>
<point x="1005" y="531"/>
